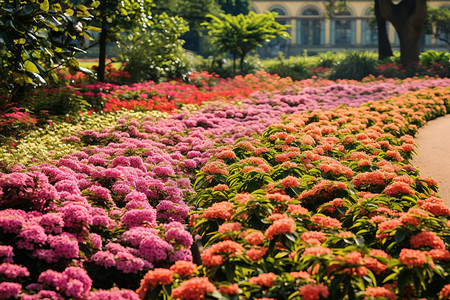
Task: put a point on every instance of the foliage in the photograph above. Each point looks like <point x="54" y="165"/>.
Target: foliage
<point x="317" y="206"/>
<point x="115" y="17"/>
<point x="241" y="34"/>
<point x="430" y="57"/>
<point x="117" y="205"/>
<point x="355" y="65"/>
<point x="439" y="19"/>
<point x="432" y="63"/>
<point x="155" y="53"/>
<point x="60" y="103"/>
<point x="235" y="7"/>
<point x="37" y="36"/>
<point x="296" y="68"/>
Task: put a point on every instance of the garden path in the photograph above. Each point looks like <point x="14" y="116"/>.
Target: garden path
<point x="433" y="154"/>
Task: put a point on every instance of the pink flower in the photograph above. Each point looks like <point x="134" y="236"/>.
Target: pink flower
<point x="137" y="217"/>
<point x="12" y="271"/>
<point x="9" y="290"/>
<point x="104" y="259"/>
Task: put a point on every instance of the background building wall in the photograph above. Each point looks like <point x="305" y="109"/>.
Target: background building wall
<point x="312" y="31"/>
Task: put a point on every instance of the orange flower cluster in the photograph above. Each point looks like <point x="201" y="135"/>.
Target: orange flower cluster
<point x="193" y="289"/>
<point x="412" y="258"/>
<point x="264" y="280"/>
<point x="284" y="225"/>
<point x="183" y="268"/>
<point x="153" y="278"/>
<point x="314" y="291"/>
<point x="222" y="210"/>
<point x="380" y="292"/>
<point x="427" y="239"/>
<point x="212" y="256"/>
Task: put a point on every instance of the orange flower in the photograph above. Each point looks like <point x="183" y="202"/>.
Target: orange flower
<point x="212" y="256"/>
<point x="222" y="210"/>
<point x="280" y="226"/>
<point x="255" y="238"/>
<point x="317" y="251"/>
<point x="264" y="280"/>
<point x="232" y="289"/>
<point x="314" y="291"/>
<point x="427" y="238"/>
<point x="412" y="258"/>
<point x="290" y="181"/>
<point x="313" y="237"/>
<point x="153" y="278"/>
<point x="230" y="227"/>
<point x="398" y="188"/>
<point x="380" y="292"/>
<point x="184" y="268"/>
<point x="256" y="254"/>
<point x="326" y="222"/>
<point x="193" y="289"/>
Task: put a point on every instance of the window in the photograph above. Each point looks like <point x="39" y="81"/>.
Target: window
<point x="279" y="44"/>
<point x="310" y="27"/>
<point x="369" y="30"/>
<point x="343" y="29"/>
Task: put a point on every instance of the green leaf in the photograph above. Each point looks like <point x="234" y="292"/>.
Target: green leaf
<point x="30" y="67"/>
<point x="399" y="236"/>
<point x="44" y="5"/>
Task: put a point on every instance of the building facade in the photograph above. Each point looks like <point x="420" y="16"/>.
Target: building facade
<point x="352" y="28"/>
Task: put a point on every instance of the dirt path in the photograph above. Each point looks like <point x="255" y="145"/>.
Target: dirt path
<point x="433" y="154"/>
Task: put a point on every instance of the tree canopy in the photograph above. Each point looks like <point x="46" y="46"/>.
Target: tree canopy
<point x="35" y="37"/>
<point x="439" y="19"/>
<point x="241" y="34"/>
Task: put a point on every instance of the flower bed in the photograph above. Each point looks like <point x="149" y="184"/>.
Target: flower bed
<point x="117" y="207"/>
<point x="325" y="205"/>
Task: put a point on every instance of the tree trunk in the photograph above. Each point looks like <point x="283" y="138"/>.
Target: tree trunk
<point x="234" y="64"/>
<point x="102" y="56"/>
<point x="241" y="65"/>
<point x="408" y="18"/>
<point x="384" y="46"/>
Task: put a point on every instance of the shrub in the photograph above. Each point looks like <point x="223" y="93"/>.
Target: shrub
<point x="356" y="65"/>
<point x="296" y="68"/>
<point x="61" y="103"/>
<point x="155" y="53"/>
<point x="430" y="57"/>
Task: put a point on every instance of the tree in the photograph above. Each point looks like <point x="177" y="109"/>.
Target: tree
<point x="439" y="19"/>
<point x="194" y="12"/>
<point x="241" y="34"/>
<point x="408" y="18"/>
<point x="36" y="37"/>
<point x="235" y="7"/>
<point x="384" y="46"/>
<point x="118" y="16"/>
<point x="155" y="53"/>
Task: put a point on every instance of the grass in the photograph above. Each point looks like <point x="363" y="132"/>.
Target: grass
<point x="90" y="64"/>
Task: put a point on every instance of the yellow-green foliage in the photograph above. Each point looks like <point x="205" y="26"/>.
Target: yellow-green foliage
<point x="44" y="144"/>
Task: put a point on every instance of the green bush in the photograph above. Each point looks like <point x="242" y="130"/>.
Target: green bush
<point x="355" y="65"/>
<point x="327" y="59"/>
<point x="59" y="103"/>
<point x="430" y="57"/>
<point x="296" y="68"/>
<point x="156" y="53"/>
